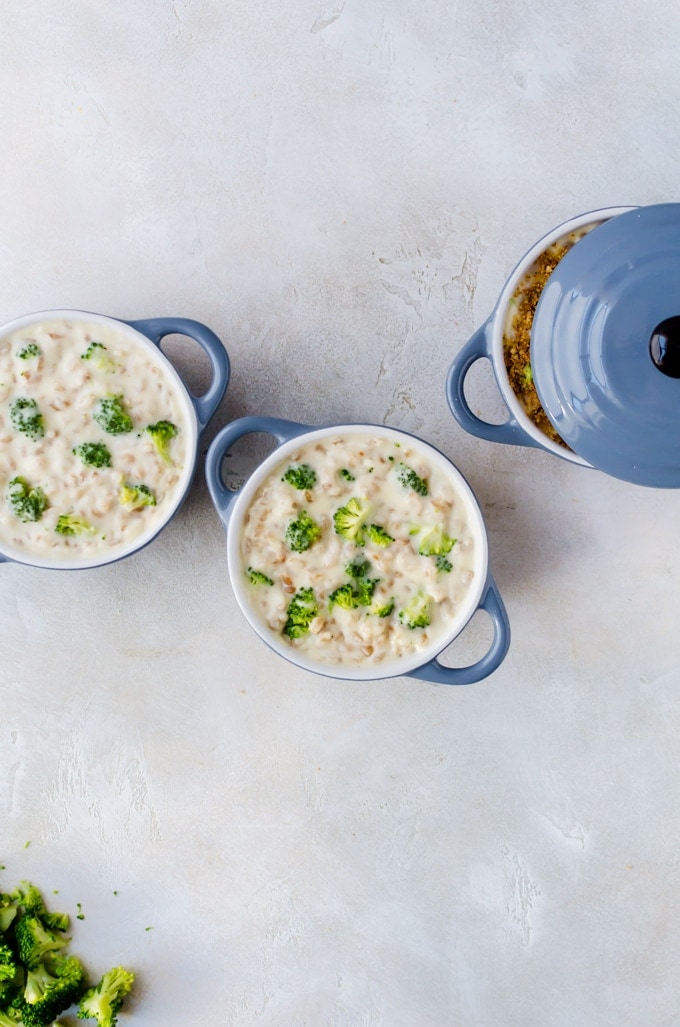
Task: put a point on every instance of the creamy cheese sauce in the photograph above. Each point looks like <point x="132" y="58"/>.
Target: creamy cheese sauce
<point x="67" y="388"/>
<point x="367" y="468"/>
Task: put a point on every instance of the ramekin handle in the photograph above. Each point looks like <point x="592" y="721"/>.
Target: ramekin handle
<point x="156" y="328"/>
<point x="492" y="659"/>
<point x="282" y="431"/>
<point x="478" y="347"/>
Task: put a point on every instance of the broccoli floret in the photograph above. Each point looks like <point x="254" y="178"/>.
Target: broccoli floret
<point x="11" y="1013"/>
<point x="302" y="610"/>
<point x="410" y="480"/>
<point x="162" y="433"/>
<point x="350" y="523"/>
<point x="94" y="454"/>
<point x="8" y="965"/>
<point x="8" y="911"/>
<point x="28" y="503"/>
<point x="31" y="350"/>
<point x="377" y="534"/>
<point x="343" y="597"/>
<point x="358" y="568"/>
<point x="38" y="979"/>
<point x="92" y="350"/>
<point x="26" y="417"/>
<point x="416" y="613"/>
<point x="35" y="942"/>
<point x="30" y="897"/>
<point x="96" y="352"/>
<point x="385" y="610"/>
<point x="257" y="577"/>
<point x="347" y="475"/>
<point x="71" y="524"/>
<point x="103" y="1002"/>
<point x="353" y="594"/>
<point x="436" y="542"/>
<point x="443" y="565"/>
<point x="302" y="533"/>
<point x="349" y="520"/>
<point x="111" y="415"/>
<point x="364" y="591"/>
<point x="300" y="477"/>
<point x="49" y="992"/>
<point x="136" y="496"/>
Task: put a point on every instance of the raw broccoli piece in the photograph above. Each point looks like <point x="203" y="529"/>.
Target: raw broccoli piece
<point x="436" y="542"/>
<point x="48" y="992"/>
<point x="136" y="496"/>
<point x="26" y="417"/>
<point x="443" y="565"/>
<point x="35" y="942"/>
<point x="300" y="477"/>
<point x="410" y="480"/>
<point x="31" y="350"/>
<point x="72" y="524"/>
<point x="302" y="610"/>
<point x="385" y="610"/>
<point x="302" y="533"/>
<point x="257" y="577"/>
<point x="12" y="1009"/>
<point x="162" y="433"/>
<point x="26" y="502"/>
<point x="9" y="967"/>
<point x="349" y="520"/>
<point x="416" y="613"/>
<point x="103" y="1002"/>
<point x="8" y="911"/>
<point x="96" y="352"/>
<point x="347" y="475"/>
<point x="358" y="568"/>
<point x="377" y="534"/>
<point x="111" y="415"/>
<point x="30" y="897"/>
<point x="94" y="454"/>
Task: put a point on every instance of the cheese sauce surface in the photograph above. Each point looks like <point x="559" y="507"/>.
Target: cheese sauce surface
<point x="393" y="557"/>
<point x="80" y="473"/>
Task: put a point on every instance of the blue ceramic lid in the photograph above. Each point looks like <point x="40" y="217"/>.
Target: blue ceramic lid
<point x="605" y="346"/>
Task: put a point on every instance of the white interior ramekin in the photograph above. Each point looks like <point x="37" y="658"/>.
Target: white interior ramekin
<point x="190" y="426"/>
<point x="517" y="411"/>
<point x="390" y="667"/>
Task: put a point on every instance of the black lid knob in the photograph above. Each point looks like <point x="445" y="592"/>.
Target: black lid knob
<point x="664" y="346"/>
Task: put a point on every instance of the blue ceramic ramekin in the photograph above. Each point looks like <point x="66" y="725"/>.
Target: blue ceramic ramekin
<point x="197" y="412"/>
<point x="487" y="343"/>
<point x="232" y="507"/>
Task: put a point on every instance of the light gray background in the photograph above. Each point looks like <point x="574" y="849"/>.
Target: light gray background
<point x="339" y="189"/>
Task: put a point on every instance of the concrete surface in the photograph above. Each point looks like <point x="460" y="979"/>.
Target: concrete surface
<point x="339" y="189"/>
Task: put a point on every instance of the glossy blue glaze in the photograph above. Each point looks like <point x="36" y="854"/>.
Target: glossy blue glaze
<point x="492" y="603"/>
<point x="222" y="497"/>
<point x="156" y="329"/>
<point x="283" y="431"/>
<point x="478" y="347"/>
<point x="590" y="346"/>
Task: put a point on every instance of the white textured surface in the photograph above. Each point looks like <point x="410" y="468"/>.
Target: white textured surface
<point x="339" y="189"/>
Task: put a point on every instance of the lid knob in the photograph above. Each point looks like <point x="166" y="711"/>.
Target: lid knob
<point x="664" y="346"/>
